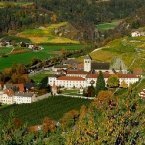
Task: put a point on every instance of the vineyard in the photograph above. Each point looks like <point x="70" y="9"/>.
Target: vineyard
<point x="53" y="107"/>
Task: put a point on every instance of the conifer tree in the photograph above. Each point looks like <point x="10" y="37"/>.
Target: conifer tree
<point x="100" y="85"/>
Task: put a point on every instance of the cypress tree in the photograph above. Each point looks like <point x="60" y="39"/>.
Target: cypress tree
<point x="100" y="84"/>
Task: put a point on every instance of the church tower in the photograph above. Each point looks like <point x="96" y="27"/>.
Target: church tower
<point x="87" y="63"/>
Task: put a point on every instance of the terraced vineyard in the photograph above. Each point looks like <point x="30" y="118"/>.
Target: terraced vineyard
<point x="53" y="107"/>
<point x="131" y="50"/>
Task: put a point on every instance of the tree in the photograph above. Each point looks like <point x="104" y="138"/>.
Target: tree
<point x="113" y="81"/>
<point x="123" y="84"/>
<point x="69" y="119"/>
<point x="91" y="91"/>
<point x="100" y="85"/>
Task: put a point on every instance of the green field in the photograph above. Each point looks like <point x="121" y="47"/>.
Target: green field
<point x="53" y="107"/>
<point x="26" y="58"/>
<point x="5" y="50"/>
<point x="131" y="50"/>
<point x="108" y="26"/>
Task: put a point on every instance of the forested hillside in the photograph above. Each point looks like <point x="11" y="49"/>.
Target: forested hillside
<point x="82" y="13"/>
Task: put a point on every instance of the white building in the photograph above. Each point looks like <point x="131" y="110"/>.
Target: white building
<point x="6" y="97"/>
<point x="9" y="97"/>
<point x="87" y="63"/>
<point x="78" y="82"/>
<point x="79" y="78"/>
<point x="135" y="34"/>
<point x="23" y="98"/>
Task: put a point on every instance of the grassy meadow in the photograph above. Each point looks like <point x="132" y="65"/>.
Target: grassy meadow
<point x="53" y="107"/>
<point x="45" y="34"/>
<point x="107" y="26"/>
<point x="131" y="50"/>
<point x="40" y="76"/>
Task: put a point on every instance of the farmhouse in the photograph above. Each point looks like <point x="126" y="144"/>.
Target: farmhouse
<point x="137" y="33"/>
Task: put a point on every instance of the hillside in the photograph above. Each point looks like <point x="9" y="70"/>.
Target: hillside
<point x="111" y="120"/>
<point x="131" y="50"/>
<point x="47" y="34"/>
<point x="53" y="107"/>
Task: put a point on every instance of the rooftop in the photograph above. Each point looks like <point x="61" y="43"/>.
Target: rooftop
<point x="71" y="78"/>
<point x="100" y="66"/>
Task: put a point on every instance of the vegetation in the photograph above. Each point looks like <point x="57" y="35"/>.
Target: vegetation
<point x="130" y="49"/>
<point x="49" y="51"/>
<point x="113" y="81"/>
<point x="100" y="84"/>
<point x="46" y="34"/>
<point x="53" y="107"/>
<point x="108" y="26"/>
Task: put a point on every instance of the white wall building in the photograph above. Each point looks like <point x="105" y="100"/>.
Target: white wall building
<point x="23" y="98"/>
<point x="5" y="98"/>
<point x="8" y="97"/>
<point x="135" y="34"/>
<point x="87" y="63"/>
<point x="78" y="82"/>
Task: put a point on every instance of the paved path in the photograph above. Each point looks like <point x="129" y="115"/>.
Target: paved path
<point x="72" y="96"/>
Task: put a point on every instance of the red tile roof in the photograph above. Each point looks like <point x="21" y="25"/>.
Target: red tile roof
<point x="67" y="78"/>
<point x="106" y="75"/>
<point x="76" y="72"/>
<point x="9" y="92"/>
<point x="20" y="86"/>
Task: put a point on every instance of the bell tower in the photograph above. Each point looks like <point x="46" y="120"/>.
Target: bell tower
<point x="87" y="63"/>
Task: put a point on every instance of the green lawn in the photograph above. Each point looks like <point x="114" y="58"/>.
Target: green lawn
<point x="26" y="58"/>
<point x="53" y="107"/>
<point x="107" y="26"/>
<point x="39" y="77"/>
<point x="5" y="50"/>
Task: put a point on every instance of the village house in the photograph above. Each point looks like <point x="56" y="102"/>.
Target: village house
<point x="15" y="94"/>
<point x="137" y="33"/>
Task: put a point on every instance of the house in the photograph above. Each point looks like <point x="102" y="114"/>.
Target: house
<point x="59" y="67"/>
<point x="138" y="33"/>
<point x="23" y="98"/>
<point x="15" y="93"/>
<point x="135" y="34"/>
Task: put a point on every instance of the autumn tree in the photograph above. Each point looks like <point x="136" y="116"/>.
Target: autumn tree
<point x="49" y="125"/>
<point x="113" y="81"/>
<point x="123" y="84"/>
<point x="69" y="119"/>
